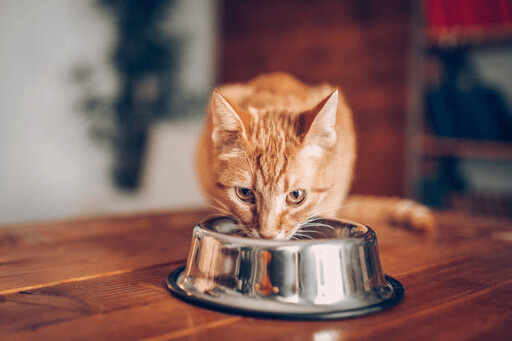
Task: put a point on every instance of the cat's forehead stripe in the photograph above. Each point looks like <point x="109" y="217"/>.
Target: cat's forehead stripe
<point x="273" y="138"/>
<point x="270" y="172"/>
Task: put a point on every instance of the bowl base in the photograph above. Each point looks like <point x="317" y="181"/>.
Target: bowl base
<point x="329" y="313"/>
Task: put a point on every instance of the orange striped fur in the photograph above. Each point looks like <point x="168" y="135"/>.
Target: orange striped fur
<point x="277" y="137"/>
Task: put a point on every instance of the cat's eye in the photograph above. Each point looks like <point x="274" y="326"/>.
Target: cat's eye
<point x="295" y="198"/>
<point x="244" y="194"/>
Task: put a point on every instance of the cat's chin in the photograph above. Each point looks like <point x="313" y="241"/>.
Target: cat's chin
<point x="279" y="236"/>
<point x="254" y="234"/>
<point x="240" y="229"/>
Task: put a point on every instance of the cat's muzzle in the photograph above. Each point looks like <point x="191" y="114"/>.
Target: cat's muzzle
<point x="333" y="272"/>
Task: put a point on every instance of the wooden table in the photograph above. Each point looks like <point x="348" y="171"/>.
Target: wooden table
<point x="103" y="278"/>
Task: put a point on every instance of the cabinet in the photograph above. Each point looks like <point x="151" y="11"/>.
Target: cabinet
<point x="454" y="116"/>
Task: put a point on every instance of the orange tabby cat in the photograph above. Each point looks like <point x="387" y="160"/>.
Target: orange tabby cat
<point x="275" y="153"/>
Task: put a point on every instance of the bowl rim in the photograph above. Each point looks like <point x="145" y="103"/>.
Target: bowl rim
<point x="368" y="236"/>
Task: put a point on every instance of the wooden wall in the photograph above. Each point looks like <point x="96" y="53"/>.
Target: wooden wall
<point x="360" y="46"/>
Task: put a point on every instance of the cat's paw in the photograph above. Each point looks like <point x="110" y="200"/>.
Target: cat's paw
<point x="414" y="216"/>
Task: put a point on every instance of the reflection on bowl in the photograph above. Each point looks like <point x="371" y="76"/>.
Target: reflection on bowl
<point x="334" y="271"/>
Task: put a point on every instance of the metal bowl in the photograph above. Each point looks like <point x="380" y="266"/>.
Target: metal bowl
<point x="334" y="271"/>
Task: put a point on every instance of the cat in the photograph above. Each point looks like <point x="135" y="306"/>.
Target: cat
<point x="275" y="153"/>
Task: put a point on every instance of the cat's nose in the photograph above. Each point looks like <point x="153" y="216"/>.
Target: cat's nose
<point x="267" y="224"/>
<point x="267" y="235"/>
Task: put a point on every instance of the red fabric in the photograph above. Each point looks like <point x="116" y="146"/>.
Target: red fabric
<point x="480" y="13"/>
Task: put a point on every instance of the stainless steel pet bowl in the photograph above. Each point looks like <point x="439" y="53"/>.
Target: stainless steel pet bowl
<point x="333" y="272"/>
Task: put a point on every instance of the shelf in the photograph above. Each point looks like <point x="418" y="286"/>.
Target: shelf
<point x="445" y="38"/>
<point x="436" y="147"/>
<point x="482" y="204"/>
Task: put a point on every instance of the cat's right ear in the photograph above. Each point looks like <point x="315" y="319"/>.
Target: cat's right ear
<point x="319" y="124"/>
<point x="228" y="123"/>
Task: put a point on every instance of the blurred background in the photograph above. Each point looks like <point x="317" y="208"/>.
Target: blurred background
<point x="101" y="101"/>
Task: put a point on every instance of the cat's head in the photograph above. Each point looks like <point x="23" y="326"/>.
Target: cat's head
<point x="271" y="167"/>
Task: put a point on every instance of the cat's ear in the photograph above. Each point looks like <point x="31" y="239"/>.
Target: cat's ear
<point x="228" y="124"/>
<point x="319" y="124"/>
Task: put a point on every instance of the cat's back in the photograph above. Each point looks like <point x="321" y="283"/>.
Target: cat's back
<point x="275" y="90"/>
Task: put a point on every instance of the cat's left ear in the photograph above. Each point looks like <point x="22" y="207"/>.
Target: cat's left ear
<point x="228" y="125"/>
<point x="319" y="124"/>
<point x="226" y="116"/>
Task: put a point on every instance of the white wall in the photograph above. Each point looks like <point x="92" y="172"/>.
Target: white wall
<point x="49" y="168"/>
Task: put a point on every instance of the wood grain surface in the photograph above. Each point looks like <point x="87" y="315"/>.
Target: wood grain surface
<point x="103" y="279"/>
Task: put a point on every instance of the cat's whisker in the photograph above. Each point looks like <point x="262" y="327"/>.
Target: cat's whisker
<point x="240" y="233"/>
<point x="220" y="209"/>
<point x="301" y="232"/>
<point x="316" y="215"/>
<point x="314" y="224"/>
<point x="313" y="231"/>
<point x="320" y="225"/>
<point x="301" y="236"/>
<point x="222" y="205"/>
<point x="308" y="231"/>
<point x="330" y="209"/>
<point x="220" y="212"/>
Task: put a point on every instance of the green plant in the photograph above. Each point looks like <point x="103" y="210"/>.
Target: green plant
<point x="145" y="59"/>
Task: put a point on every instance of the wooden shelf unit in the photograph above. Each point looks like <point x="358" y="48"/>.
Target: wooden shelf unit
<point x="425" y="149"/>
<point x="434" y="146"/>
<point x="441" y="38"/>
